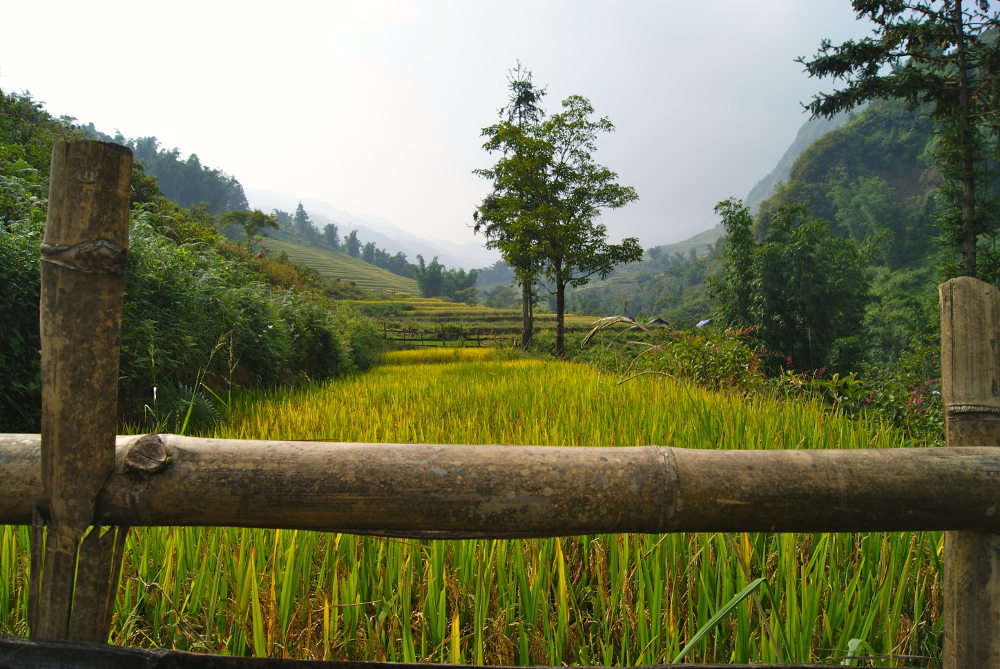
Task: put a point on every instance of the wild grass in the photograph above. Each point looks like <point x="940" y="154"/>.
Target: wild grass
<point x="604" y="599"/>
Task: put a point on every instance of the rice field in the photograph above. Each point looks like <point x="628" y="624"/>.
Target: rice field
<point x="338" y="265"/>
<point x="431" y="313"/>
<point x="602" y="600"/>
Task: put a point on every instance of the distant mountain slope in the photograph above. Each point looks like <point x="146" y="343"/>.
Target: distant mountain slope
<point x="337" y="265"/>
<point x="700" y="243"/>
<point x="382" y="233"/>
<point x="810" y="131"/>
<point x="669" y="280"/>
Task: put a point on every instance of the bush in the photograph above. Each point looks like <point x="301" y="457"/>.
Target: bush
<point x="191" y="316"/>
<point x="22" y="216"/>
<point x="20" y="391"/>
<point x="711" y="357"/>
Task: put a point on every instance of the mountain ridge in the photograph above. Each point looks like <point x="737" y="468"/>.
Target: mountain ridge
<point x="381" y="232"/>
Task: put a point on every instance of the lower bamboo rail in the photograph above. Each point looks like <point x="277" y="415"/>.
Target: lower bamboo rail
<point x="23" y="654"/>
<point x="423" y="490"/>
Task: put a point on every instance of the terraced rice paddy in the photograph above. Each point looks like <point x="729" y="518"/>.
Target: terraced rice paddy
<point x="337" y="265"/>
<point x="608" y="599"/>
<point x="431" y="313"/>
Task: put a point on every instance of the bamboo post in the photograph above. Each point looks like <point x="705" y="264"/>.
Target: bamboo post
<point x="970" y="386"/>
<point x="74" y="569"/>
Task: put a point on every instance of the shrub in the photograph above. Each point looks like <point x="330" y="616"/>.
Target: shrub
<point x="711" y="357"/>
<point x="191" y="316"/>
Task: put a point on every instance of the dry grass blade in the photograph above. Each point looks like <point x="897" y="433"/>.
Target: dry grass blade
<point x="605" y="323"/>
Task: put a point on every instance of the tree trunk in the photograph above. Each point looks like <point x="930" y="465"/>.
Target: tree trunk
<point x="560" y="318"/>
<point x="527" y="313"/>
<point x="967" y="142"/>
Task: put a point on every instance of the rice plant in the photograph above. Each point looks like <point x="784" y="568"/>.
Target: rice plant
<point x="602" y="599"/>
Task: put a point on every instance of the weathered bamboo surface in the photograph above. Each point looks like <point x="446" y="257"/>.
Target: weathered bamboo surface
<point x="82" y="283"/>
<point x="970" y="388"/>
<point x="425" y="490"/>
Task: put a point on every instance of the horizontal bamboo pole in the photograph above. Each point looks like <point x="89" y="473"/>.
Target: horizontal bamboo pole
<point x="440" y="490"/>
<point x="16" y="652"/>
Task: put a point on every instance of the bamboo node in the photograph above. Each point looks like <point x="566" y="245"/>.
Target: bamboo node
<point x="975" y="409"/>
<point x="97" y="256"/>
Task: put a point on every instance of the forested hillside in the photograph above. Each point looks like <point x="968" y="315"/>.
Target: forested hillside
<point x="202" y="315"/>
<point x="184" y="181"/>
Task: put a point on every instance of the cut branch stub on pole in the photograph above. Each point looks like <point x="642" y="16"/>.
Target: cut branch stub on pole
<point x="970" y="387"/>
<point x="82" y="286"/>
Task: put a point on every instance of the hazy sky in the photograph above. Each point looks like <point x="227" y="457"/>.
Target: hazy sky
<point x="376" y="106"/>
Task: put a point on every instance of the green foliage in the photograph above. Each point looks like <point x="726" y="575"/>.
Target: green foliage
<point x="900" y="396"/>
<point x="901" y="315"/>
<point x="252" y="223"/>
<point x="667" y="285"/>
<point x="711" y="357"/>
<point x="435" y="280"/>
<point x="331" y="238"/>
<point x="27" y="132"/>
<point x="905" y="394"/>
<point x="183" y="296"/>
<point x="801" y="288"/>
<point x="303" y="226"/>
<point x="736" y="289"/>
<point x="502" y="296"/>
<point x="20" y="397"/>
<point x="352" y="245"/>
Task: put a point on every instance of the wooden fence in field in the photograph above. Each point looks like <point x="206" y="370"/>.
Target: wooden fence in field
<point x="472" y="338"/>
<point x="78" y="476"/>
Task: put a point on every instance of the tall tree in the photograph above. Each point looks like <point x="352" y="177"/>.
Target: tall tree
<point x="521" y="115"/>
<point x="330" y="236"/>
<point x="435" y="280"/>
<point x="283" y="217"/>
<point x="734" y="288"/>
<point x="941" y="55"/>
<point x="572" y="245"/>
<point x="352" y="245"/>
<point x="548" y="191"/>
<point x="301" y="222"/>
<point x="430" y="277"/>
<point x="253" y="223"/>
